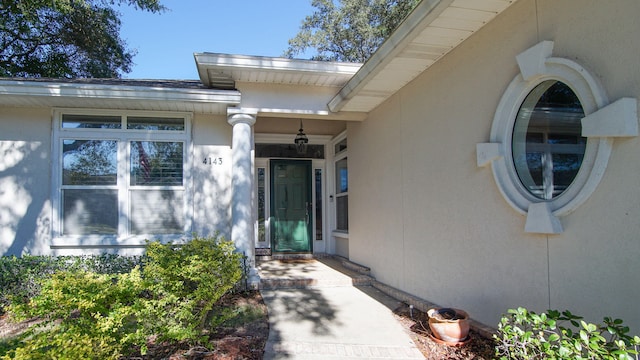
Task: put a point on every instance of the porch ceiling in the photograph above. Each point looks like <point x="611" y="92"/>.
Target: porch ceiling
<point x="433" y="29"/>
<point x="154" y="95"/>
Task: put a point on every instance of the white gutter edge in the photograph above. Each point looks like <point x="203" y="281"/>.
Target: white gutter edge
<point x="61" y="89"/>
<point x="274" y="64"/>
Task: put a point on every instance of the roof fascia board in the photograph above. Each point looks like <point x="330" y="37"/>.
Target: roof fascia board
<point x="418" y="19"/>
<point x="70" y="90"/>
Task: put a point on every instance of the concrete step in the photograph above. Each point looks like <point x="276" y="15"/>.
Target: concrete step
<point x="307" y="273"/>
<point x="346" y="263"/>
<point x="285" y="256"/>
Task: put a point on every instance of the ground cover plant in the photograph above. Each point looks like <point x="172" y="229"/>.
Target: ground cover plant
<point x="83" y="312"/>
<point x="524" y="334"/>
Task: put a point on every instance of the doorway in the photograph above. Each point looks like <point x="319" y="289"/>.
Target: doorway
<point x="291" y="215"/>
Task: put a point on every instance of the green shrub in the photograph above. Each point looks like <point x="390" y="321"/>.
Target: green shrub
<point x="186" y="280"/>
<point x="22" y="276"/>
<point x="90" y="315"/>
<point x="85" y="316"/>
<point x="523" y="334"/>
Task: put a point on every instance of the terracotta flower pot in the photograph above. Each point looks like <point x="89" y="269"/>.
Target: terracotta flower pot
<point x="449" y="325"/>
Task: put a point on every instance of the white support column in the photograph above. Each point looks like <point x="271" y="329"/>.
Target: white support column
<point x="242" y="232"/>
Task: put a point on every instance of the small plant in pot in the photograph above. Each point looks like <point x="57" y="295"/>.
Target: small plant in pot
<point x="449" y="325"/>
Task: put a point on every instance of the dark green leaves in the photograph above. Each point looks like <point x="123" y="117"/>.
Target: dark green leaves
<point x="65" y="38"/>
<point x="350" y="30"/>
<point x="523" y="334"/>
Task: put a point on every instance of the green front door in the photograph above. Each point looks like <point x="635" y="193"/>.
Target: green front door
<point x="291" y="207"/>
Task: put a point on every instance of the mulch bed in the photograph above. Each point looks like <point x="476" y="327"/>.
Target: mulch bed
<point x="417" y="323"/>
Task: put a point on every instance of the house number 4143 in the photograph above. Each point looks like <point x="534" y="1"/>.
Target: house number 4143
<point x="212" y="161"/>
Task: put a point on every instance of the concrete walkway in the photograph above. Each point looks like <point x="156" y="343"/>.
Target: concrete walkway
<point x="320" y="310"/>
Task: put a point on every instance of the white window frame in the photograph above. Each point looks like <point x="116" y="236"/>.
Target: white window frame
<point x="334" y="198"/>
<point x="602" y="122"/>
<point x="123" y="136"/>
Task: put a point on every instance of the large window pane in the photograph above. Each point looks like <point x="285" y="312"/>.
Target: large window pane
<point x="70" y="121"/>
<point x="342" y="213"/>
<point x="89" y="162"/>
<point x="547" y="143"/>
<point x="115" y="180"/>
<point x="155" y="163"/>
<point x="342" y="178"/>
<point x="157" y="212"/>
<point x="154" y="123"/>
<point x="93" y="211"/>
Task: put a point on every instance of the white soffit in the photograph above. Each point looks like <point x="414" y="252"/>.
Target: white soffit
<point x="145" y="95"/>
<point x="434" y="28"/>
<point x="222" y="71"/>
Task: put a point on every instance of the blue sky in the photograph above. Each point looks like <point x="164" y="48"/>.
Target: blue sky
<point x="165" y="42"/>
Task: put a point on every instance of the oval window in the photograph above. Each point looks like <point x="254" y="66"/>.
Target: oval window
<point x="547" y="141"/>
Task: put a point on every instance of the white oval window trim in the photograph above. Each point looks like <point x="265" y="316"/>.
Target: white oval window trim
<point x="601" y="123"/>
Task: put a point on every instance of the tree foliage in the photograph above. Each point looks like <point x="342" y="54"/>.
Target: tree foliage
<point x="348" y="30"/>
<point x="65" y="38"/>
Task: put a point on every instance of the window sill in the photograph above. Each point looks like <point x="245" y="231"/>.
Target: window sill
<point x="340" y="234"/>
<point x="97" y="241"/>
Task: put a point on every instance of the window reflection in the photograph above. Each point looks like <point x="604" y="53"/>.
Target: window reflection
<point x="89" y="162"/>
<point x="547" y="143"/>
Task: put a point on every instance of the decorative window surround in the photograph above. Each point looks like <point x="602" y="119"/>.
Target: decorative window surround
<point x="603" y="121"/>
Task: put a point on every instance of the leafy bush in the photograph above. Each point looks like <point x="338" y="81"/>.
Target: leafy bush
<point x="86" y="314"/>
<point x="523" y="334"/>
<point x="22" y="276"/>
<point x="186" y="280"/>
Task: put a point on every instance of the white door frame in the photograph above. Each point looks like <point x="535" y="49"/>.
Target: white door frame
<point x="319" y="246"/>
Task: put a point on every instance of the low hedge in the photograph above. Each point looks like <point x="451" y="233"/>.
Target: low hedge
<point x="95" y="310"/>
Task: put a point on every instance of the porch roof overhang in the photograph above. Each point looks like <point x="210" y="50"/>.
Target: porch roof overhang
<point x="279" y="87"/>
<point x="223" y="71"/>
<point x="152" y="95"/>
<point x="433" y="29"/>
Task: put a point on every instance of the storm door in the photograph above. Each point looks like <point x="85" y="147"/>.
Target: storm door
<point x="291" y="206"/>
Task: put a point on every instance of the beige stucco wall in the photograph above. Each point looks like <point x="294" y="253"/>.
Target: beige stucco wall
<point x="427" y="220"/>
<point x="212" y="182"/>
<point x="25" y="168"/>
